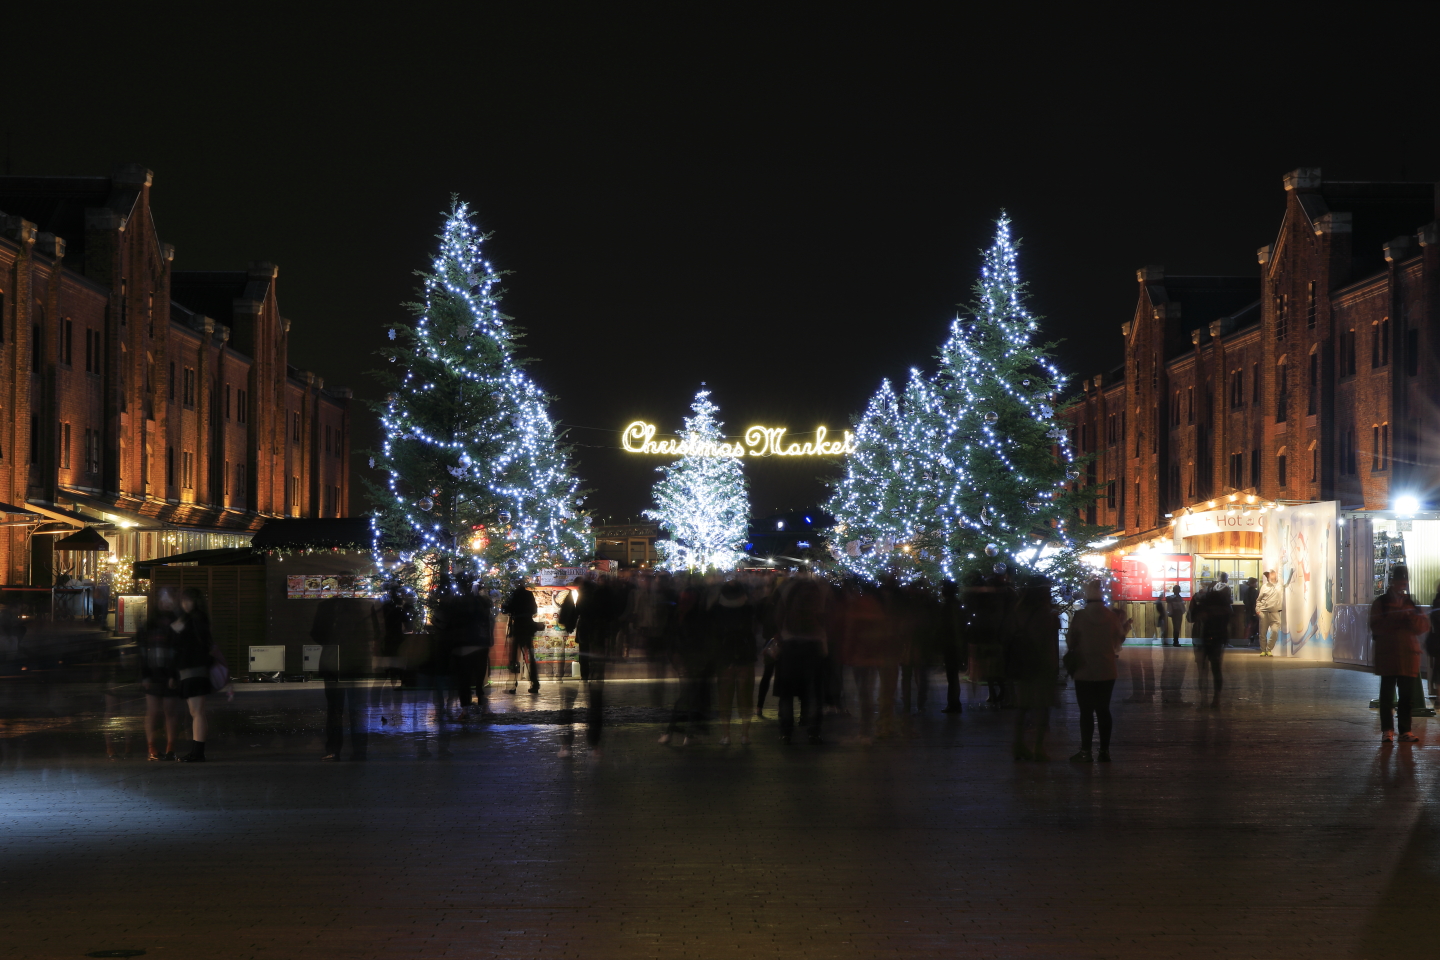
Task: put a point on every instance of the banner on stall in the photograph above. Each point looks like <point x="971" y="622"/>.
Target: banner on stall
<point x="1300" y="545"/>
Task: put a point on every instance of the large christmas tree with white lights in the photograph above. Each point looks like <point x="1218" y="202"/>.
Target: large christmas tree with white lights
<point x="976" y="473"/>
<point x="703" y="502"/>
<point x="476" y="479"/>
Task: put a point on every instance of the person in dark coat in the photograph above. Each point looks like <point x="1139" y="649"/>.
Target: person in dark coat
<point x="157" y="674"/>
<point x="735" y="630"/>
<point x="950" y="631"/>
<point x="194" y="656"/>
<point x="1396" y="624"/>
<point x="469" y="624"/>
<point x="1249" y="593"/>
<point x="802" y="614"/>
<point x="345" y="628"/>
<point x="1216" y="617"/>
<point x="1032" y="664"/>
<point x="521" y="609"/>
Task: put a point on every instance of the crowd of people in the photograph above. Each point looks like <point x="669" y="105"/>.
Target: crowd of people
<point x="815" y="644"/>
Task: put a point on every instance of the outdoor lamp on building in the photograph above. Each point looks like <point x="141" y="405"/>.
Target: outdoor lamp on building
<point x="1406" y="506"/>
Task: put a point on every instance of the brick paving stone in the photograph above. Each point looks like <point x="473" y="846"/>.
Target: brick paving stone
<point x="1274" y="827"/>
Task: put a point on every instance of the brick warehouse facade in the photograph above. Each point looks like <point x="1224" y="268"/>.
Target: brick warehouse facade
<point x="154" y="403"/>
<point x="1316" y="380"/>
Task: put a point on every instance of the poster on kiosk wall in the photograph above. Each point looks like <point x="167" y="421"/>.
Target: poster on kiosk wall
<point x="1300" y="547"/>
<point x="1147" y="576"/>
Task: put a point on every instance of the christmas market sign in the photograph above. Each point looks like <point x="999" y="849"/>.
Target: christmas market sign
<point x="760" y="441"/>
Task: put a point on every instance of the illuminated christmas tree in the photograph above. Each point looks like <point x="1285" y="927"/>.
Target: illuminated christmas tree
<point x="978" y="469"/>
<point x="477" y="480"/>
<point x="703" y="502"/>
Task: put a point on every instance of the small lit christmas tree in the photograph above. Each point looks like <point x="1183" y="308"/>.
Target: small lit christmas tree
<point x="980" y="467"/>
<point x="476" y="478"/>
<point x="703" y="502"/>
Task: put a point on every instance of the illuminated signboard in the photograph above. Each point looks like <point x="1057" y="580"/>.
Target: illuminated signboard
<point x="639" y="437"/>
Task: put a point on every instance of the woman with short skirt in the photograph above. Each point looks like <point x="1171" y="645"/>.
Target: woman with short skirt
<point x="193" y="660"/>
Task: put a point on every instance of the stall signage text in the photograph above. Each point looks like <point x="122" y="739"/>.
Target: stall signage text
<point x="1219" y="521"/>
<point x="759" y="441"/>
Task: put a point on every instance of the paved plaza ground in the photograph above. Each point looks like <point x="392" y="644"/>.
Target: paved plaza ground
<point x="1275" y="826"/>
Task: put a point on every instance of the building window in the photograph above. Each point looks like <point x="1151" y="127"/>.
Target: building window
<point x="1237" y="470"/>
<point x="150" y="314"/>
<point x="1380" y="447"/>
<point x="1310" y="305"/>
<point x="1255" y="468"/>
<point x="64" y="432"/>
<point x="124" y="303"/>
<point x="1237" y="388"/>
<point x="92" y="450"/>
<point x="92" y="351"/>
<point x="1189" y="404"/>
<point x="227" y="401"/>
<point x="1282" y="399"/>
<point x="1282" y="316"/>
<point x="225" y="477"/>
<point x="1347" y="452"/>
<point x="187" y="394"/>
<point x="1280" y="478"/>
<point x="67" y="341"/>
<point x="295" y="432"/>
<point x="1314" y="465"/>
<point x="1347" y="353"/>
<point x="172" y="381"/>
<point x="1312" y="399"/>
<point x="1255" y="384"/>
<point x="186" y="465"/>
<point x="241" y="410"/>
<point x="169" y="466"/>
<point x="1412" y="352"/>
<point x="239" y="494"/>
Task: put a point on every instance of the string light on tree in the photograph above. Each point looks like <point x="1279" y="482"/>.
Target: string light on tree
<point x="468" y="444"/>
<point x="971" y="463"/>
<point x="703" y="500"/>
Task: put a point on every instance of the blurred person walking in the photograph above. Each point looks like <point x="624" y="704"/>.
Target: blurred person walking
<point x="802" y="609"/>
<point x="919" y="644"/>
<point x="347" y="629"/>
<point x="1093" y="648"/>
<point x="521" y="609"/>
<point x="1432" y="640"/>
<point x="1032" y="665"/>
<point x="1396" y="624"/>
<point x="195" y="655"/>
<point x="1215" y="612"/>
<point x="864" y="644"/>
<point x="470" y="623"/>
<point x="1249" y="597"/>
<point x="735" y="628"/>
<point x="1267" y="608"/>
<point x="1175" y="607"/>
<point x="163" y="704"/>
<point x="951" y="636"/>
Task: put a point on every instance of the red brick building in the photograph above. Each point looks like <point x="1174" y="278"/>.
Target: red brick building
<point x="153" y="403"/>
<point x="1315" y="380"/>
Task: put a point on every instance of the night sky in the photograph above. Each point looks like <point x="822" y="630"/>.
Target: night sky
<point x="786" y="208"/>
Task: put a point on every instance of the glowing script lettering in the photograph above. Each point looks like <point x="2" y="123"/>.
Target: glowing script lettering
<point x="639" y="437"/>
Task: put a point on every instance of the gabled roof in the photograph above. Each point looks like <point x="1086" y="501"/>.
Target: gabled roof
<point x="57" y="205"/>
<point x="339" y="533"/>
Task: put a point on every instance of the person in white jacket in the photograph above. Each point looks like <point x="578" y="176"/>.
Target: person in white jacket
<point x="1267" y="608"/>
<point x="1095" y="635"/>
